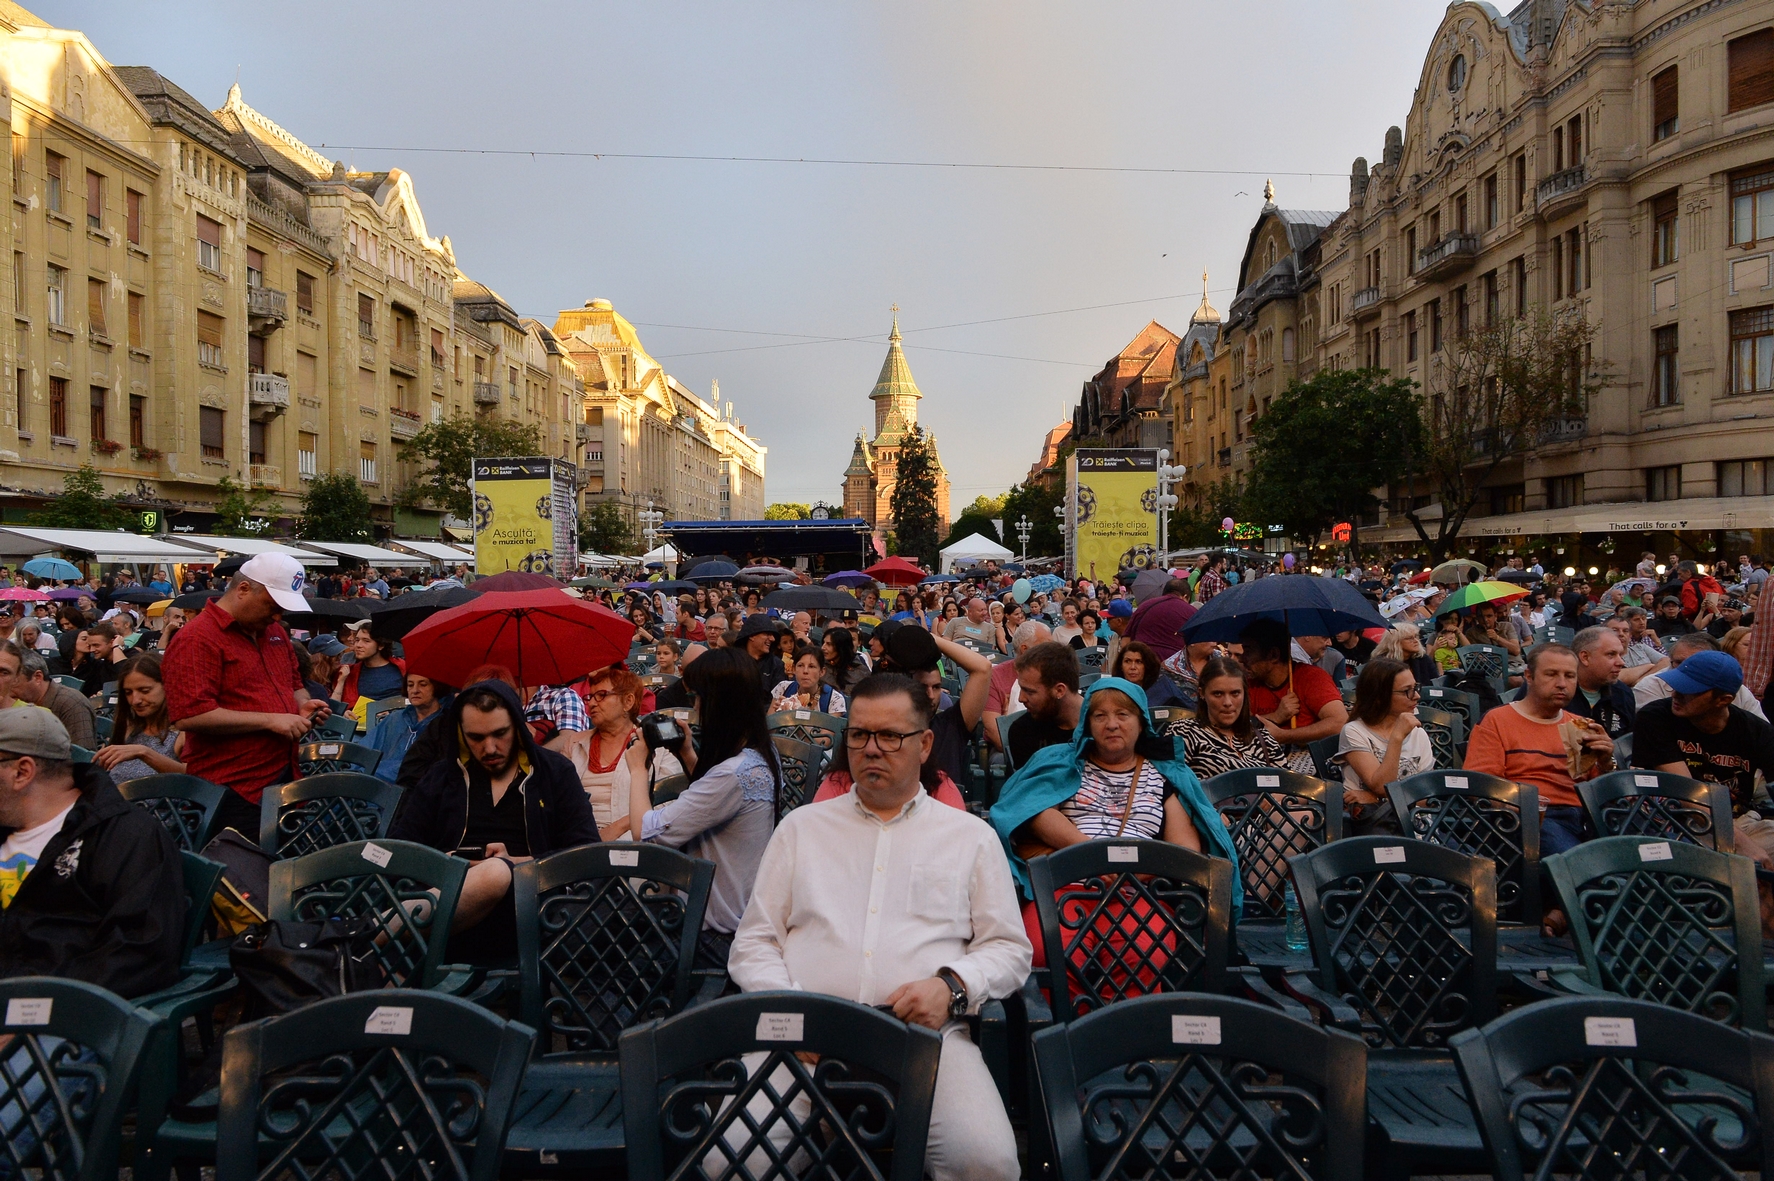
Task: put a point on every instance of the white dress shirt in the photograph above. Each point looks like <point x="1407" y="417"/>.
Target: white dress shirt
<point x="853" y="906"/>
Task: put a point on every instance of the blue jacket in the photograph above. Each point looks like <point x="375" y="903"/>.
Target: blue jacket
<point x="393" y="735"/>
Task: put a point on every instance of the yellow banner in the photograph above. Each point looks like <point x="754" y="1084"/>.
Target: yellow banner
<point x="1114" y="511"/>
<point x="513" y="516"/>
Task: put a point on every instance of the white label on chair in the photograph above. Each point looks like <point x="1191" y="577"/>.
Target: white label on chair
<point x="1124" y="852"/>
<point x="377" y="855"/>
<point x="328" y="749"/>
<point x="1459" y="781"/>
<point x="629" y="857"/>
<point x="395" y="1020"/>
<point x="1609" y="1031"/>
<point x="1644" y="781"/>
<point x="781" y="1027"/>
<point x="1655" y="851"/>
<point x="1389" y="855"/>
<point x="29" y="1010"/>
<point x="1194" y="1031"/>
<point x="1268" y="781"/>
<point x="803" y="714"/>
<point x="546" y="1157"/>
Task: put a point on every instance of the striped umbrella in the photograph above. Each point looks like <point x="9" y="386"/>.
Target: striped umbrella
<point x="1474" y="593"/>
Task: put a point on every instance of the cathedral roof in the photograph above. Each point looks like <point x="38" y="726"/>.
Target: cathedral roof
<point x="896" y="376"/>
<point x="860" y="462"/>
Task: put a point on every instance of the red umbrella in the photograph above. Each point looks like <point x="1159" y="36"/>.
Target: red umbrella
<point x="545" y="637"/>
<point x="517" y="580"/>
<point x="897" y="572"/>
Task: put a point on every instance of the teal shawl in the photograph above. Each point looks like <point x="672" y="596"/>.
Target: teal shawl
<point x="1052" y="775"/>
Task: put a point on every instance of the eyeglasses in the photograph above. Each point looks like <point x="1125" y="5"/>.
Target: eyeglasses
<point x="1413" y="691"/>
<point x="889" y="741"/>
<point x="599" y="696"/>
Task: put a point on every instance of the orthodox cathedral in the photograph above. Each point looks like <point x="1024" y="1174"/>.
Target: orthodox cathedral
<point x="869" y="480"/>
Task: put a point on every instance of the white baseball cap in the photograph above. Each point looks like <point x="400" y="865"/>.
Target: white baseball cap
<point x="281" y="576"/>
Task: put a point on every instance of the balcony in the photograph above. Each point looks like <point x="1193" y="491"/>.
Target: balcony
<point x="1561" y="188"/>
<point x="264" y="476"/>
<point x="486" y="393"/>
<point x="266" y="310"/>
<point x="268" y="394"/>
<point x="1365" y="303"/>
<point x="582" y="432"/>
<point x="403" y="360"/>
<point x="403" y="424"/>
<point x="1225" y="457"/>
<point x="1454" y="253"/>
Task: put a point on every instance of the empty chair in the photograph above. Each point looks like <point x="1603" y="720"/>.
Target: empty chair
<point x="1003" y="723"/>
<point x="325" y="810"/>
<point x="1658" y="804"/>
<point x="1447" y="736"/>
<point x="338" y="725"/>
<point x="1485" y="816"/>
<point x="1272" y="816"/>
<point x="321" y="758"/>
<point x="1459" y="702"/>
<point x="1490" y="661"/>
<point x="185" y="804"/>
<point x="801" y="764"/>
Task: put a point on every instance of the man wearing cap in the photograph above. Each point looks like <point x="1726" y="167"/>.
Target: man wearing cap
<point x="1116" y="617"/>
<point x="758" y="637"/>
<point x="914" y="652"/>
<point x="234" y="688"/>
<point x="1699" y="733"/>
<point x="91" y="887"/>
<point x="1731" y="614"/>
<point x="1669" y="623"/>
<point x="1656" y="688"/>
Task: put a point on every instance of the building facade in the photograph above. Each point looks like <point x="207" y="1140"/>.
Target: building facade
<point x="872" y="473"/>
<point x="1124" y="404"/>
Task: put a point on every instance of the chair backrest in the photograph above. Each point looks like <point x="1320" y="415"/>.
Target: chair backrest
<point x="1089" y="677"/>
<point x="1484" y="816"/>
<point x="808" y="725"/>
<point x="1600" y="1087"/>
<point x="1166" y="716"/>
<point x="1488" y="660"/>
<point x="338" y="725"/>
<point x="1461" y="703"/>
<point x="68" y="1075"/>
<point x="1324" y="753"/>
<point x="386" y="1083"/>
<point x="693" y="1107"/>
<point x="323" y="758"/>
<point x="1658" y="804"/>
<point x="1003" y="723"/>
<point x="102" y="728"/>
<point x="1447" y="736"/>
<point x="658" y="681"/>
<point x="1273" y="815"/>
<point x="74" y="683"/>
<point x="606" y="938"/>
<point x="185" y="804"/>
<point x="325" y="810"/>
<point x="1384" y="917"/>
<point x="1186" y="1084"/>
<point x="1669" y="922"/>
<point x="669" y="789"/>
<point x="201" y="876"/>
<point x="78" y="753"/>
<point x="1122" y="919"/>
<point x="1092" y="657"/>
<point x="381" y="881"/>
<point x="801" y="763"/>
<point x="374" y="711"/>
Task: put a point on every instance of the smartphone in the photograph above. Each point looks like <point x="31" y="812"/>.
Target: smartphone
<point x="470" y="852"/>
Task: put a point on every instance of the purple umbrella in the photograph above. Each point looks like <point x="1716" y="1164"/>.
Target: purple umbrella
<point x="71" y="593"/>
<point x="851" y="578"/>
<point x="638" y="586"/>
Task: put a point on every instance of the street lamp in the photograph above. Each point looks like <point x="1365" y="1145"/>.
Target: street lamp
<point x="1023" y="529"/>
<point x="1167" y="476"/>
<point x="650" y="519"/>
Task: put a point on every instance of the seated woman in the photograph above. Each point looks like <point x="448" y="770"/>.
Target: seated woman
<point x="1381" y="743"/>
<point x="645" y="631"/>
<point x="1088" y="637"/>
<point x="612" y="703"/>
<point x="147" y="744"/>
<point x="1223" y="736"/>
<point x="808" y="689"/>
<point x="1405" y="645"/>
<point x="1139" y="664"/>
<point x="1071" y="624"/>
<point x="394" y="731"/>
<point x="843" y="667"/>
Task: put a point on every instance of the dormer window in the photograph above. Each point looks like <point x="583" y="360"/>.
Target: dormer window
<point x="1457" y="73"/>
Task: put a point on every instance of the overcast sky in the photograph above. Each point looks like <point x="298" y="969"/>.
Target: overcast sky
<point x="725" y="266"/>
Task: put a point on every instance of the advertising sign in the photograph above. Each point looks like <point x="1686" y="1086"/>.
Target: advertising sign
<point x="1111" y="511"/>
<point x="525" y="516"/>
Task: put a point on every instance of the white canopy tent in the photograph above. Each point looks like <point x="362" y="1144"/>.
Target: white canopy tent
<point x="665" y="553"/>
<point x="977" y="548"/>
<point x="216" y="547"/>
<point x="437" y="551"/>
<point x="98" y="545"/>
<point x="372" y="555"/>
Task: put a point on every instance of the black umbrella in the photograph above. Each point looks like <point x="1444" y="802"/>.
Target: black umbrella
<point x="1308" y="606"/>
<point x="675" y="587"/>
<point x="138" y="594"/>
<point x="712" y="572"/>
<point x="1407" y="564"/>
<point x="393" y="619"/>
<point x="334" y="609"/>
<point x="195" y="600"/>
<point x="811" y="598"/>
<point x="1524" y="577"/>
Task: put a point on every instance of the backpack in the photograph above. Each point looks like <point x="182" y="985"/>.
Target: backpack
<point x="246" y="882"/>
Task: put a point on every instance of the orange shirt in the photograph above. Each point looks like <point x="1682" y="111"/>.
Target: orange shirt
<point x="1509" y="744"/>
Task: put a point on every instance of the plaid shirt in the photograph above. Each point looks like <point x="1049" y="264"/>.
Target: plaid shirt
<point x="1761" y="657"/>
<point x="1211" y="584"/>
<point x="214" y="663"/>
<point x="559" y="706"/>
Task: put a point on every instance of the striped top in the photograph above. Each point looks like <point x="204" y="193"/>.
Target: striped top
<point x="1102" y="797"/>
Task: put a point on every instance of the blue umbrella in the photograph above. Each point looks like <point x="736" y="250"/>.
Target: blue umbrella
<point x="934" y="579"/>
<point x="52" y="568"/>
<point x="1042" y="584"/>
<point x="852" y="578"/>
<point x="1308" y="606"/>
<point x="712" y="572"/>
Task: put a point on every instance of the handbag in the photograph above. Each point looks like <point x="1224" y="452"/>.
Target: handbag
<point x="282" y="966"/>
<point x="1028" y="849"/>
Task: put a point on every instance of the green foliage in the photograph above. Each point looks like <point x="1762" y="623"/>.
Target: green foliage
<point x="603" y="529"/>
<point x="1036" y="501"/>
<point x="969" y="523"/>
<point x="335" y="508"/>
<point x="242" y="511"/>
<point x="84" y="505"/>
<point x="788" y="512"/>
<point x="914" y="499"/>
<point x="450" y="447"/>
<point x="988" y="507"/>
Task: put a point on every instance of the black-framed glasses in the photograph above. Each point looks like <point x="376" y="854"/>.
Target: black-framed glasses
<point x="1410" y="691"/>
<point x="888" y="740"/>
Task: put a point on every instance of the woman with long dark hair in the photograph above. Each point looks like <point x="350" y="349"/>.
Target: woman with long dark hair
<point x="728" y="811"/>
<point x="1382" y="743"/>
<point x="843" y="667"/>
<point x="146" y="742"/>
<point x="1224" y="737"/>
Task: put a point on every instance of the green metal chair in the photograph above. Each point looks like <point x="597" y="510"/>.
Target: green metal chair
<point x="1483" y="816"/>
<point x="79" y="754"/>
<point x="1166" y="716"/>
<point x="386" y="705"/>
<point x="810" y="726"/>
<point x="102" y="729"/>
<point x="1462" y="704"/>
<point x="74" y="683"/>
<point x="1324" y="753"/>
<point x="1273" y="816"/>
<point x="669" y="789"/>
<point x="1447" y="737"/>
<point x="185" y="804"/>
<point x="1491" y="662"/>
<point x="1658" y="804"/>
<point x="801" y="763"/>
<point x="325" y="810"/>
<point x="335" y="726"/>
<point x="320" y="758"/>
<point x="1003" y="724"/>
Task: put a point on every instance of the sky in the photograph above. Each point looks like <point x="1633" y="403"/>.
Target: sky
<point x="776" y="279"/>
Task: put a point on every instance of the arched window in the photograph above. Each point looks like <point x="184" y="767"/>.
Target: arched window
<point x="1287" y="344"/>
<point x="1269" y="255"/>
<point x="1457" y="73"/>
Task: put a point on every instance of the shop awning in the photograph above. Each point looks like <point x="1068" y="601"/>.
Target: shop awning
<point x="1698" y="514"/>
<point x="372" y="555"/>
<point x="94" y="544"/>
<point x="216" y="545"/>
<point x="437" y="551"/>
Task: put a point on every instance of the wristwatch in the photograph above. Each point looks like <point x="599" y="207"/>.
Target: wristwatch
<point x="957" y="993"/>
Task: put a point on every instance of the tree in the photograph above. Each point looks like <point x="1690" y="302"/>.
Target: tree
<point x="989" y="507"/>
<point x="84" y="505"/>
<point x="1495" y="395"/>
<point x="1318" y="453"/>
<point x="914" y="499"/>
<point x="242" y="511"/>
<point x="604" y="529"/>
<point x="1196" y="522"/>
<point x="969" y="523"/>
<point x="450" y="447"/>
<point x="788" y="512"/>
<point x="1036" y="500"/>
<point x="335" y="508"/>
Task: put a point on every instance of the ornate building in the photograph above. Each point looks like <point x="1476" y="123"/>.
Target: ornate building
<point x="869" y="480"/>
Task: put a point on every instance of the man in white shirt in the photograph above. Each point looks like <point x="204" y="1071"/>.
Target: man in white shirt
<point x="886" y="897"/>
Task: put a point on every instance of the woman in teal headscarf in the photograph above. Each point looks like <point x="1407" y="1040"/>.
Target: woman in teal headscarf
<point x="1119" y="777"/>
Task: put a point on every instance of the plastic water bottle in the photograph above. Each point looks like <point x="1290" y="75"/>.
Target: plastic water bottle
<point x="1296" y="922"/>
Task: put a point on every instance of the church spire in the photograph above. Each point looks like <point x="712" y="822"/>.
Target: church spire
<point x="1204" y="314"/>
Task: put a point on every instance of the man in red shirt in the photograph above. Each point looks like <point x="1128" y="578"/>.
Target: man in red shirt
<point x="234" y="688"/>
<point x="1298" y="702"/>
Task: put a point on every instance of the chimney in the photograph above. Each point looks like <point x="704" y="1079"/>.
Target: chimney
<point x="1358" y="181"/>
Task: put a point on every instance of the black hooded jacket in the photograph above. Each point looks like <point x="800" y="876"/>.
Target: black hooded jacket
<point x="105" y="903"/>
<point x="557" y="812"/>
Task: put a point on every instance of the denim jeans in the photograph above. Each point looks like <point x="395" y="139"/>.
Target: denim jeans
<point x="1562" y="827"/>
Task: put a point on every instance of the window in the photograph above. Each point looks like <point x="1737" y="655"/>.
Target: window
<point x="1493" y="206"/>
<point x="1518" y="278"/>
<point x="1558" y="267"/>
<point x="366" y="315"/>
<point x="1745" y="477"/>
<point x="1663" y="483"/>
<point x="255" y="354"/>
<point x="1665" y="234"/>
<point x="1508" y="498"/>
<point x="1410" y="336"/>
<point x="210" y="421"/>
<point x="1435" y="325"/>
<point x="1666" y="374"/>
<point x="511" y="382"/>
<point x="1664" y="111"/>
<point x="95" y="200"/>
<point x="1578" y="276"/>
<point x="1752" y="207"/>
<point x="95" y="307"/>
<point x="255" y="442"/>
<point x="1558" y="149"/>
<point x="209" y="339"/>
<point x="595" y="416"/>
<point x="1521" y="181"/>
<point x="307" y="369"/>
<point x="305" y="292"/>
<point x="209" y="243"/>
<point x="58" y="407"/>
<point x="437" y="349"/>
<point x="1752" y="350"/>
<point x="255" y="267"/>
<point x="58" y="295"/>
<point x="1490" y="299"/>
<point x="1461" y="221"/>
<point x="52" y="168"/>
<point x="96" y="399"/>
<point x="138" y="421"/>
<point x="1462" y="317"/>
<point x="1564" y="491"/>
<point x="1287" y="345"/>
<point x="1751" y="71"/>
<point x="366" y="463"/>
<point x="1457" y="72"/>
<point x="137" y="334"/>
<point x="1410" y="250"/>
<point x="306" y="444"/>
<point x="132" y="201"/>
<point x="19" y="147"/>
<point x="1574" y="139"/>
<point x="1434" y="226"/>
<point x="21" y="392"/>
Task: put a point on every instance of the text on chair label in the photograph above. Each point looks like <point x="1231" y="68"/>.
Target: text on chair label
<point x="781" y="1027"/>
<point x="1268" y="781"/>
<point x="1459" y="781"/>
<point x="1644" y="781"/>
<point x="1124" y="852"/>
<point x="630" y="857"/>
<point x="390" y="1019"/>
<point x="803" y="714"/>
<point x="1194" y="1031"/>
<point x="1609" y="1031"/>
<point x="1389" y="855"/>
<point x="376" y="855"/>
<point x="1655" y="851"/>
<point x="29" y="1010"/>
<point x="329" y="749"/>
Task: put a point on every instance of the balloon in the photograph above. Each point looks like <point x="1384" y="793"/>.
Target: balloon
<point x="1020" y="590"/>
<point x="1287" y="561"/>
<point x="1227" y="524"/>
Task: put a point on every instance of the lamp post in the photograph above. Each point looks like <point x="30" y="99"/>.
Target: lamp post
<point x="1167" y="476"/>
<point x="650" y="519"/>
<point x="1023" y="529"/>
